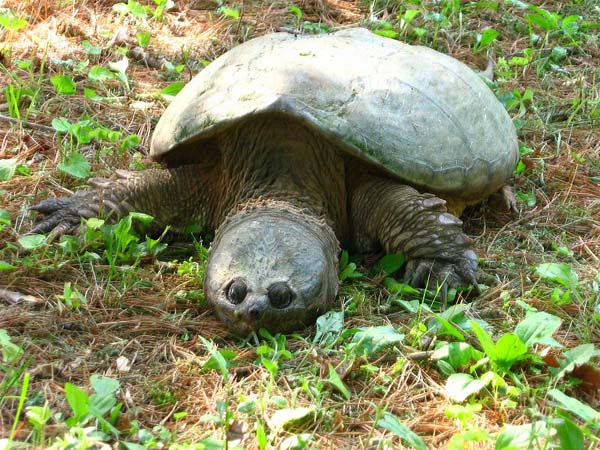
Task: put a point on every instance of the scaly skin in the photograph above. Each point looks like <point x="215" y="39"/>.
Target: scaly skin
<point x="400" y="219"/>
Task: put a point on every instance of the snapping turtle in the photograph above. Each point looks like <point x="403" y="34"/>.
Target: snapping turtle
<point x="290" y="145"/>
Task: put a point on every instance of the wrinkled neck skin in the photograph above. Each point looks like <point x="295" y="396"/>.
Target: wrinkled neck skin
<point x="272" y="266"/>
<point x="273" y="262"/>
<point x="277" y="158"/>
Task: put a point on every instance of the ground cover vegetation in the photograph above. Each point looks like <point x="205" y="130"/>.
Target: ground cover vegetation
<point x="105" y="338"/>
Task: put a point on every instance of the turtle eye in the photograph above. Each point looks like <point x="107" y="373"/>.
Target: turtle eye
<point x="280" y="294"/>
<point x="236" y="292"/>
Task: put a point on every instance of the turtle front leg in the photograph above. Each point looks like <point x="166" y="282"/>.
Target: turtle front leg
<point x="172" y="196"/>
<point x="400" y="219"/>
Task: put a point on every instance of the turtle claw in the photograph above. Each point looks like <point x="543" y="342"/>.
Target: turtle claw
<point x="63" y="215"/>
<point x="442" y="274"/>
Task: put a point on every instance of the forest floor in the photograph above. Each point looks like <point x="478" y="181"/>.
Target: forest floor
<point x="117" y="349"/>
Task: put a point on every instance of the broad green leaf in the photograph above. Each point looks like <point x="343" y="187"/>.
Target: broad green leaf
<point x="6" y="266"/>
<point x="527" y="197"/>
<point x="509" y="350"/>
<point x="519" y="437"/>
<point x="288" y="417"/>
<point x="4" y="218"/>
<point x="453" y="321"/>
<point x="78" y="401"/>
<point x="38" y="416"/>
<point x="172" y="90"/>
<point x="11" y="22"/>
<point x="100" y="405"/>
<point x="63" y="84"/>
<point x="573" y="358"/>
<point x="485" y="39"/>
<point x="213" y="364"/>
<point x="442" y="327"/>
<point x="488" y="346"/>
<point x="77" y="166"/>
<point x="389" y="264"/>
<point x="392" y="34"/>
<point x="143" y="38"/>
<point x="399" y="288"/>
<point x="91" y="94"/>
<point x="574" y="406"/>
<point x="10" y="351"/>
<point x="271" y="366"/>
<point x="296" y="12"/>
<point x="460" y="386"/>
<point x="82" y="131"/>
<point x="32" y="241"/>
<point x="569" y="434"/>
<point x="538" y="328"/>
<point x="372" y="340"/>
<point x="136" y="9"/>
<point x="335" y="380"/>
<point x="329" y="327"/>
<point x="391" y="423"/>
<point x="130" y="142"/>
<point x="349" y="272"/>
<point x="99" y="73"/>
<point x="229" y="12"/>
<point x="558" y="54"/>
<point x="8" y="168"/>
<point x="559" y="273"/>
<point x="410" y="14"/>
<point x="90" y="49"/>
<point x="104" y="385"/>
<point x="221" y="362"/>
<point x="457" y="354"/>
<point x="94" y="223"/>
<point x="62" y="125"/>
<point x="247" y="406"/>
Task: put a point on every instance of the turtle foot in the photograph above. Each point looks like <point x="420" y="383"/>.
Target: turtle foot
<point x="443" y="274"/>
<point x="63" y="215"/>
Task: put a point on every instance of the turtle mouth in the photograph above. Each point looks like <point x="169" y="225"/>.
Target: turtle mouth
<point x="283" y="321"/>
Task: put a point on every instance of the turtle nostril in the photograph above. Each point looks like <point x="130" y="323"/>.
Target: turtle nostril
<point x="254" y="312"/>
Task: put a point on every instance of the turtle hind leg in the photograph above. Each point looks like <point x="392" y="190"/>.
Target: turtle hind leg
<point x="403" y="220"/>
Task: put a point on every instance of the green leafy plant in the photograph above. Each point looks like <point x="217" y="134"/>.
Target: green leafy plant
<point x="101" y="406"/>
<point x="485" y="39"/>
<point x="11" y="22"/>
<point x="563" y="275"/>
<point x="500" y="356"/>
<point x="391" y="423"/>
<point x="63" y="84"/>
<point x="71" y="296"/>
<point x="347" y="269"/>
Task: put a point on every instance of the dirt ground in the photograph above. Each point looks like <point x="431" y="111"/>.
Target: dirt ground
<point x="141" y="324"/>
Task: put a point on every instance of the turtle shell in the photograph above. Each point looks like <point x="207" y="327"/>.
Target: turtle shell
<point x="422" y="116"/>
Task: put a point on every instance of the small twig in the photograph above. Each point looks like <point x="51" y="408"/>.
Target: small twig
<point x="24" y="123"/>
<point x="15" y="297"/>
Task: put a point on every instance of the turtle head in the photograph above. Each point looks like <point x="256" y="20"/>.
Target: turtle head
<point x="271" y="268"/>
